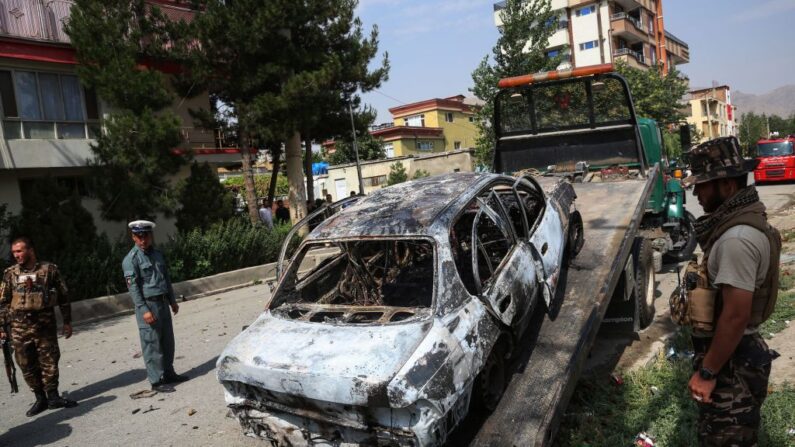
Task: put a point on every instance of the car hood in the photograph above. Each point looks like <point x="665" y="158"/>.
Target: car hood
<point x="346" y="364"/>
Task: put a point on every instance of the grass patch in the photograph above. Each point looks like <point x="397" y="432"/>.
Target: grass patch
<point x="786" y="279"/>
<point x="788" y="235"/>
<point x="784" y="311"/>
<point x="601" y="414"/>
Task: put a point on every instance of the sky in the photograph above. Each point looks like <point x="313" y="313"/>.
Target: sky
<point x="434" y="45"/>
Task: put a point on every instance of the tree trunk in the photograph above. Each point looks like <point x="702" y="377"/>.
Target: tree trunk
<point x="295" y="175"/>
<point x="310" y="180"/>
<point x="248" y="177"/>
<point x="276" y="154"/>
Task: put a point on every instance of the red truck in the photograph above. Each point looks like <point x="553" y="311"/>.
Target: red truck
<point x="776" y="159"/>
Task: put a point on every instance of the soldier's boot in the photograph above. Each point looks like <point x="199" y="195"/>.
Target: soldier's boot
<point x="54" y="400"/>
<point x="38" y="406"/>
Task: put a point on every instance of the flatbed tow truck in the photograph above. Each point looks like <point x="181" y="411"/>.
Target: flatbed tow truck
<point x="581" y="124"/>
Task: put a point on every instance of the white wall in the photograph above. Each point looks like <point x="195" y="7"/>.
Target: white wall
<point x="585" y="29"/>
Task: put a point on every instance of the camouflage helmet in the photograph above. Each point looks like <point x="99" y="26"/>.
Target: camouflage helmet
<point x="715" y="159"/>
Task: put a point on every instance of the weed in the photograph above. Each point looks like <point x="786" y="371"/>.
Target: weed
<point x="788" y="235"/>
<point x="784" y="311"/>
<point x="778" y="414"/>
<point x="786" y="279"/>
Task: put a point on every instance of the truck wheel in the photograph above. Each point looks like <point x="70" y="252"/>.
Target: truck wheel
<point x="490" y="382"/>
<point x="687" y="232"/>
<point x="576" y="237"/>
<point x="645" y="284"/>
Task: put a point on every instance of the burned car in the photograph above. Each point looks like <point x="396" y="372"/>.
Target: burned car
<point x="395" y="317"/>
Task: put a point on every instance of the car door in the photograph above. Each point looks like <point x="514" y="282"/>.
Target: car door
<point x="548" y="242"/>
<point x="502" y="267"/>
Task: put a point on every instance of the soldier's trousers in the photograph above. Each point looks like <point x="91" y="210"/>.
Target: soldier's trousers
<point x="733" y="417"/>
<point x="157" y="341"/>
<point x="34" y="336"/>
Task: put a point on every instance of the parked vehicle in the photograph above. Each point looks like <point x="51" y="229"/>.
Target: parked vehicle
<point x="395" y="317"/>
<point x="776" y="160"/>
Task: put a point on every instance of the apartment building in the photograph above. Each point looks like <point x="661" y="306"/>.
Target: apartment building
<point x="433" y="125"/>
<point x="604" y="31"/>
<point x="712" y="112"/>
<point x="49" y="120"/>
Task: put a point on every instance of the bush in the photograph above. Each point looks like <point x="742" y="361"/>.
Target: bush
<point x="261" y="184"/>
<point x="204" y="200"/>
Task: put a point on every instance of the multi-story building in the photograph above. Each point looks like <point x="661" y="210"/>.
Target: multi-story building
<point x="603" y="31"/>
<point x="433" y="125"/>
<point x="49" y="120"/>
<point x="712" y="113"/>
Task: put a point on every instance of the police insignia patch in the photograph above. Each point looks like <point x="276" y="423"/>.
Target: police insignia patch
<point x="129" y="281"/>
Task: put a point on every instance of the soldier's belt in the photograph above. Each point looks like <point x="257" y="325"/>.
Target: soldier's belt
<point x="160" y="297"/>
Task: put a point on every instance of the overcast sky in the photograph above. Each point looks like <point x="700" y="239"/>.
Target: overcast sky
<point x="434" y="45"/>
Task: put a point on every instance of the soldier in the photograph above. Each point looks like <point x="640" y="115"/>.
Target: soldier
<point x="728" y="295"/>
<point x="28" y="294"/>
<point x="150" y="288"/>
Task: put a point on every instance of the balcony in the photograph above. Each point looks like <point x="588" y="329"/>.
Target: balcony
<point x="499" y="6"/>
<point x="35" y="19"/>
<point x="678" y="50"/>
<point x="628" y="28"/>
<point x="630" y="57"/>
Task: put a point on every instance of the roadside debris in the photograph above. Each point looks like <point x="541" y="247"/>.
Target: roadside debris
<point x="644" y="440"/>
<point x="617" y="379"/>
<point x="191" y="412"/>
<point x="150" y="409"/>
<point x="137" y="355"/>
<point x="136" y="410"/>
<point x="673" y="354"/>
<point x="654" y="390"/>
<point x="143" y="394"/>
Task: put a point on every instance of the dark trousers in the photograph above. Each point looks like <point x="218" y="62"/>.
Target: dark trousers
<point x="733" y="417"/>
<point x="157" y="340"/>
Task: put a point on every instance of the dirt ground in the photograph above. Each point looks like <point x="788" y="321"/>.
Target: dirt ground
<point x="784" y="342"/>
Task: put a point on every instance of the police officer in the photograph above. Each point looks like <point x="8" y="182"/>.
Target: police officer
<point x="733" y="291"/>
<point x="29" y="292"/>
<point x="150" y="288"/>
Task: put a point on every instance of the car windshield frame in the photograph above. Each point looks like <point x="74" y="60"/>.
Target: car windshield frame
<point x="774" y="149"/>
<point x="291" y="277"/>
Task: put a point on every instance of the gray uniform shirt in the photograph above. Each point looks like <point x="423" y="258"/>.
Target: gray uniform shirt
<point x="147" y="276"/>
<point x="739" y="258"/>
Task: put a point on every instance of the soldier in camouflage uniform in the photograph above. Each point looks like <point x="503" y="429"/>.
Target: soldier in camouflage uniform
<point x="737" y="278"/>
<point x="29" y="292"/>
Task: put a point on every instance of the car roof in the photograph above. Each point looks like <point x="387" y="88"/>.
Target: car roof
<point x="409" y="208"/>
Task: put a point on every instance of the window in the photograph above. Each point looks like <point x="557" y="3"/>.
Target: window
<point x="47" y="106"/>
<point x="377" y="180"/>
<point x="424" y="145"/>
<point x="471" y="118"/>
<point x="415" y="121"/>
<point x="448" y="117"/>
<point x="585" y="11"/>
<point x="553" y="53"/>
<point x="589" y="45"/>
<point x="389" y="148"/>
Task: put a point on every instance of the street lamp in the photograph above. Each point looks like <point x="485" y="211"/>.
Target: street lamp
<point x="356" y="151"/>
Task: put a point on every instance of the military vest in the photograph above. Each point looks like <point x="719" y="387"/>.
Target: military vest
<point x="32" y="290"/>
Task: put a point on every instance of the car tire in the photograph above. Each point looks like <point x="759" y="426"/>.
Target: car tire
<point x="491" y="382"/>
<point x="576" y="237"/>
<point x="645" y="283"/>
<point x="688" y="230"/>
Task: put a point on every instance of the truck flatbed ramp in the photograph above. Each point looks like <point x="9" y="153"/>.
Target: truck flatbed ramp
<point x="555" y="350"/>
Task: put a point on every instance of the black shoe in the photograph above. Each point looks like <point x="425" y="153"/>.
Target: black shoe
<point x="175" y="378"/>
<point x="162" y="387"/>
<point x="54" y="400"/>
<point x="38" y="406"/>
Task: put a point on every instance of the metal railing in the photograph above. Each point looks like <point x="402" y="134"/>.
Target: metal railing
<point x="629" y="52"/>
<point x="632" y="20"/>
<point x="35" y="19"/>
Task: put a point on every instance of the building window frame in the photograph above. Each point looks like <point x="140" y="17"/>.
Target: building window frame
<point x="376" y="180"/>
<point x="456" y="145"/>
<point x="415" y="119"/>
<point x="589" y="45"/>
<point x="50" y="120"/>
<point x="424" y="145"/>
<point x="448" y="117"/>
<point x="587" y="10"/>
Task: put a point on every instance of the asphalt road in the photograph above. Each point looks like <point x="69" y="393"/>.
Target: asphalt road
<point x="100" y="369"/>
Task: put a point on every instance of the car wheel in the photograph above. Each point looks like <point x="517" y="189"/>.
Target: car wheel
<point x="576" y="237"/>
<point x="645" y="285"/>
<point x="687" y="232"/>
<point x="490" y="382"/>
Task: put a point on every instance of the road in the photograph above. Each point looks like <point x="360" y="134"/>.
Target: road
<point x="99" y="368"/>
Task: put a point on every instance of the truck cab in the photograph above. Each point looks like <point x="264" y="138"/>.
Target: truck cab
<point x="776" y="160"/>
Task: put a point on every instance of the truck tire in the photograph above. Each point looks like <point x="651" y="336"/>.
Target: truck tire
<point x="687" y="230"/>
<point x="645" y="283"/>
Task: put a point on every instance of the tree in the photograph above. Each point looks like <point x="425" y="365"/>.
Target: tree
<point x="115" y="42"/>
<point x="520" y="49"/>
<point x="278" y="64"/>
<point x="753" y="127"/>
<point x="420" y="173"/>
<point x="656" y="95"/>
<point x="369" y="149"/>
<point x="204" y="200"/>
<point x="397" y="174"/>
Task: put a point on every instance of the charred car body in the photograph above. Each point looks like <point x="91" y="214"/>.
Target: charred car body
<point x="395" y="316"/>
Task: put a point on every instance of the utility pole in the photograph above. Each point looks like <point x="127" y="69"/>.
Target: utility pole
<point x="356" y="151"/>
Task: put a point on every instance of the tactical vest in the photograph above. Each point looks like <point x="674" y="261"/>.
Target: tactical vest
<point x="32" y="290"/>
<point x="698" y="304"/>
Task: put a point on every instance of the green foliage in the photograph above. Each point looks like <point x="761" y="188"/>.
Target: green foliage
<point x="778" y="414"/>
<point x="420" y="173"/>
<point x="369" y="149"/>
<point x="261" y="184"/>
<point x="134" y="156"/>
<point x="783" y="312"/>
<point x="397" y="174"/>
<point x="672" y="143"/>
<point x="520" y="49"/>
<point x="656" y="95"/>
<point x="203" y="199"/>
<point x="5" y="223"/>
<point x="754" y="127"/>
